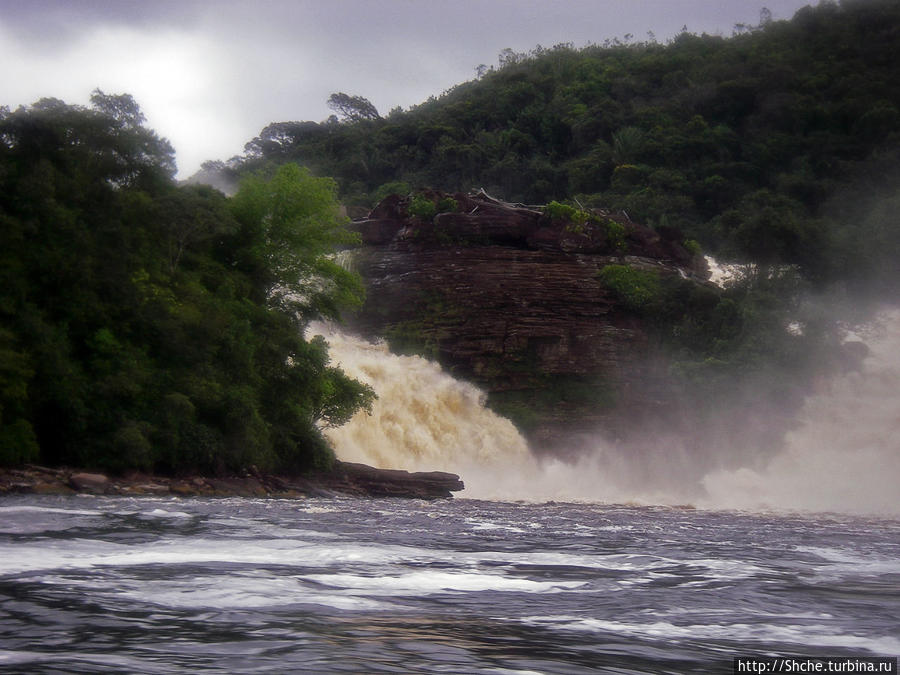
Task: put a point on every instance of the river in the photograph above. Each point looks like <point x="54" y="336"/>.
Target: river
<point x="608" y="567"/>
<point x="125" y="585"/>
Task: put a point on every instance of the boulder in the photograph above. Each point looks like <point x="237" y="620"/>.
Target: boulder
<point x="364" y="480"/>
<point x="377" y="231"/>
<point x="94" y="483"/>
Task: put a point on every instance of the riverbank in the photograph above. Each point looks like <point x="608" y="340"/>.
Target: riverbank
<point x="345" y="479"/>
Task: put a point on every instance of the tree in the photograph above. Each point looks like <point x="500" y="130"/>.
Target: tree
<point x="142" y="325"/>
<point x="293" y="226"/>
<point x="353" y="108"/>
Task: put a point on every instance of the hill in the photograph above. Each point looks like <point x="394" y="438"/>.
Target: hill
<point x="778" y="145"/>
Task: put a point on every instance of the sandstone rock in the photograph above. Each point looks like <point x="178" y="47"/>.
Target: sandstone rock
<point x="95" y="483"/>
<point x="147" y="489"/>
<point x="344" y="479"/>
<point x="377" y="231"/>
<point x="183" y="488"/>
<point x="49" y="488"/>
<point x="502" y="296"/>
<point x="364" y="480"/>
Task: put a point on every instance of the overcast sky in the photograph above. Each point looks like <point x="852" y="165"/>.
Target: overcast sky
<point x="209" y="74"/>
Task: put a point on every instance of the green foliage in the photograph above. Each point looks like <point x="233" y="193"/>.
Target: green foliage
<point x="693" y="247"/>
<point x="579" y="221"/>
<point x="18" y="444"/>
<point x="291" y="223"/>
<point x="447" y="205"/>
<point x="692" y="131"/>
<point x="627" y="144"/>
<point x="636" y="289"/>
<point x="557" y="211"/>
<point x="394" y="187"/>
<point x="17" y="440"/>
<point x="575" y="394"/>
<point x="353" y="108"/>
<point x="412" y="338"/>
<point x="423" y="208"/>
<point x="436" y="315"/>
<point x="156" y="327"/>
<point x="615" y="235"/>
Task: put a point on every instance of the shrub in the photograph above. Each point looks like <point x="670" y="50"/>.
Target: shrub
<point x="636" y="289"/>
<point x="615" y="235"/>
<point x="693" y="247"/>
<point x="447" y="205"/>
<point x="396" y="187"/>
<point x="18" y="444"/>
<point x="422" y="208"/>
<point x="569" y="214"/>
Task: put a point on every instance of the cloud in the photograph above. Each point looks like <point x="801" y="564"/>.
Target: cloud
<point x="210" y="75"/>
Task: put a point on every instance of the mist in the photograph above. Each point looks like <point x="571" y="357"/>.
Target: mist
<point x="841" y="453"/>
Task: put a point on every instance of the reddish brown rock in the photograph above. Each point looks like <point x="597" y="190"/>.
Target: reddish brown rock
<point x="353" y="478"/>
<point x="375" y="232"/>
<point x="95" y="483"/>
<point x="503" y="296"/>
<point x="344" y="479"/>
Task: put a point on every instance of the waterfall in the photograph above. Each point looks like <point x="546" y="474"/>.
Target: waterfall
<point x="423" y="420"/>
<point x="844" y="455"/>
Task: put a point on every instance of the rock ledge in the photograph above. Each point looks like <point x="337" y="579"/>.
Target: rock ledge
<point x="345" y="479"/>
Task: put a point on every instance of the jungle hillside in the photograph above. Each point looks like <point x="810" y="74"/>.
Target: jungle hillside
<point x="156" y="325"/>
<point x="778" y="145"/>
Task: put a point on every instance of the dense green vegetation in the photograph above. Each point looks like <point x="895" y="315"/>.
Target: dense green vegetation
<point x="149" y="325"/>
<point x="777" y="145"/>
<point x="157" y="327"/>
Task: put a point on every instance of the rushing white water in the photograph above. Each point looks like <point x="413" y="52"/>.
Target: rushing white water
<point x="844" y="456"/>
<point x="722" y="274"/>
<point x="423" y="420"/>
<point x="171" y="585"/>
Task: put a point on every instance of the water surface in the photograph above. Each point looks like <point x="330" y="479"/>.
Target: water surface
<point x="121" y="585"/>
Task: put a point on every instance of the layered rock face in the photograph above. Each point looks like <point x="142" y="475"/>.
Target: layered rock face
<point x="510" y="298"/>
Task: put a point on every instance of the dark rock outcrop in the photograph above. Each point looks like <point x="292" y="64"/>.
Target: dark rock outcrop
<point x="95" y="483"/>
<point x="364" y="480"/>
<point x="345" y="479"/>
<point x="505" y="296"/>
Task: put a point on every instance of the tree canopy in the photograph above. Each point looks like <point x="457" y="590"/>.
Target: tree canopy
<point x="146" y="325"/>
<point x="353" y="108"/>
<point x="697" y="134"/>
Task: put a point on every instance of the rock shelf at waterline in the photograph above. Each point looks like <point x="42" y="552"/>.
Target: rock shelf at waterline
<point x="345" y="479"/>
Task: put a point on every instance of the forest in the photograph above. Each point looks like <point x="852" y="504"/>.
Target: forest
<point x="778" y="145"/>
<point x="156" y="325"/>
<point x="153" y="326"/>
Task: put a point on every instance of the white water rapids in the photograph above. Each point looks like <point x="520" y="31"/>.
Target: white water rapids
<point x="844" y="456"/>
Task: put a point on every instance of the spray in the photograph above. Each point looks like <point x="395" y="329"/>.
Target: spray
<point x="844" y="456"/>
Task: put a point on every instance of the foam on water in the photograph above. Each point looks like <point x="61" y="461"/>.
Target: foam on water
<point x="453" y="586"/>
<point x="430" y="583"/>
<point x="239" y="590"/>
<point x="821" y="635"/>
<point x="86" y="554"/>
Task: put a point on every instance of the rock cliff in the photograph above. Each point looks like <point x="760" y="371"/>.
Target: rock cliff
<point x="510" y="297"/>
